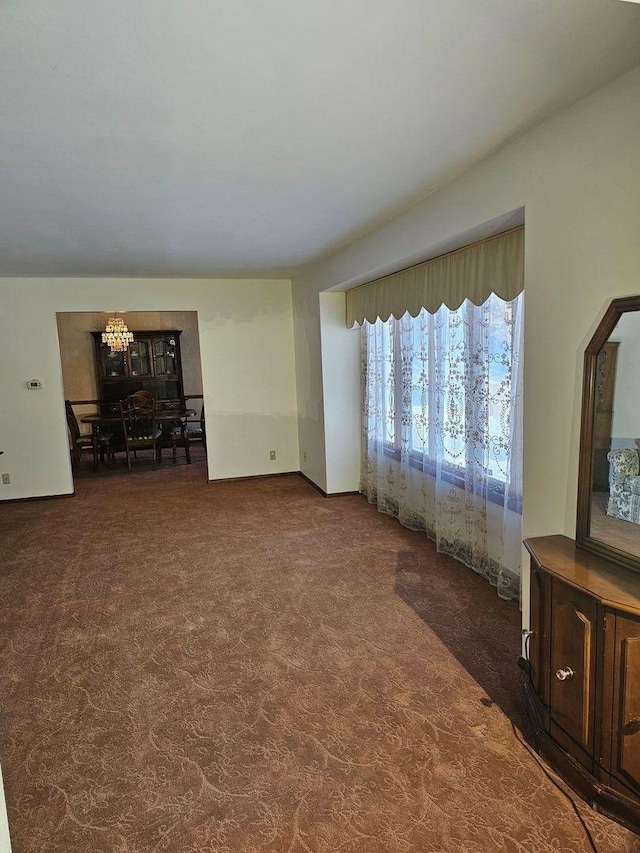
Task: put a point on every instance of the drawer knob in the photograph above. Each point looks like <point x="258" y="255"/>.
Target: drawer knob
<point x="565" y="674"/>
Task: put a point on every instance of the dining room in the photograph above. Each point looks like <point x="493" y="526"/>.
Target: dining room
<point x="132" y="391"/>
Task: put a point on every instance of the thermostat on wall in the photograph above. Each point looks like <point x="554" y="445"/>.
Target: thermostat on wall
<point x="34" y="384"/>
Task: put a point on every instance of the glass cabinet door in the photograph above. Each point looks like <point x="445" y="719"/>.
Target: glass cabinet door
<point x="140" y="358"/>
<point x="164" y="356"/>
<point x="113" y="363"/>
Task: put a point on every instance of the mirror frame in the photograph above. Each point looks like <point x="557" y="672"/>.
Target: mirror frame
<point x="616" y="309"/>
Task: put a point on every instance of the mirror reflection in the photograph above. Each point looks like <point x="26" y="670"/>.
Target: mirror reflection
<point x="615" y="487"/>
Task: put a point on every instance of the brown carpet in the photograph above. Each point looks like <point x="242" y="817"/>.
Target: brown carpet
<point x="244" y="667"/>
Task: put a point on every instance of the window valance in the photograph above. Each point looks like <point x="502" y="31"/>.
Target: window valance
<point x="495" y="265"/>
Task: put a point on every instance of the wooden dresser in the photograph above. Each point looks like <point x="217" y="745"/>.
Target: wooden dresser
<point x="583" y="691"/>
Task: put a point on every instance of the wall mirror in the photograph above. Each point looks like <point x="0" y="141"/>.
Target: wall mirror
<point x="608" y="519"/>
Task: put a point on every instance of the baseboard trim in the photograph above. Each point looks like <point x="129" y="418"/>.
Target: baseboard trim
<point x="37" y="498"/>
<point x="311" y="483"/>
<point x="322" y="491"/>
<point x="251" y="477"/>
<point x="282" y="474"/>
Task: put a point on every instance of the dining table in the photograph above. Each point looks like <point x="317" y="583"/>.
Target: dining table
<point x="96" y="421"/>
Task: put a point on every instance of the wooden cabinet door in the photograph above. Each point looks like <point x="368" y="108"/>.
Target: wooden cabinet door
<point x="623" y="672"/>
<point x="573" y="666"/>
<point x="537" y="643"/>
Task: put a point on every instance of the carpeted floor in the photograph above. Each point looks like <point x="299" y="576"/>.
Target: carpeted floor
<point x="243" y="667"/>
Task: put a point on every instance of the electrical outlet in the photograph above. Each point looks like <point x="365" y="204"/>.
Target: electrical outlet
<point x="6" y="479"/>
<point x="272" y="455"/>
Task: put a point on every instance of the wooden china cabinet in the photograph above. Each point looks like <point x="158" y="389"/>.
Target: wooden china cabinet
<point x="151" y="363"/>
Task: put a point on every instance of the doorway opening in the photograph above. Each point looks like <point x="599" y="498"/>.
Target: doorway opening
<point x="164" y="360"/>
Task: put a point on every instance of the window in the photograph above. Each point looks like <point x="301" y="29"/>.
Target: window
<point x="443" y="391"/>
<point x="441" y="405"/>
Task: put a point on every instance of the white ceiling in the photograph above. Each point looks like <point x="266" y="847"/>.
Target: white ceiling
<point x="204" y="137"/>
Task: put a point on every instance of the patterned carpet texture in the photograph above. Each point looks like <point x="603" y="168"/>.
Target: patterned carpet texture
<point x="248" y="667"/>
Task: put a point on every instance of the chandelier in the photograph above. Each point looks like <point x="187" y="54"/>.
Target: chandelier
<point x="117" y="335"/>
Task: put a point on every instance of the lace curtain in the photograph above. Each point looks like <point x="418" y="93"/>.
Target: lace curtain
<point x="442" y="430"/>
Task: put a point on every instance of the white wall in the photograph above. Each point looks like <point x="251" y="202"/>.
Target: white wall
<point x="246" y="341"/>
<point x="328" y="384"/>
<point x="578" y="179"/>
<point x="340" y="350"/>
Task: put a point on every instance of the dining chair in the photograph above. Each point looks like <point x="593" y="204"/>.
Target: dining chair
<point x="141" y="430"/>
<point x="81" y="441"/>
<point x="187" y="431"/>
<point x="146" y="397"/>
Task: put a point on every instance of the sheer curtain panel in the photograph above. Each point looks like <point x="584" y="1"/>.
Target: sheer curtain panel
<point x="442" y="430"/>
